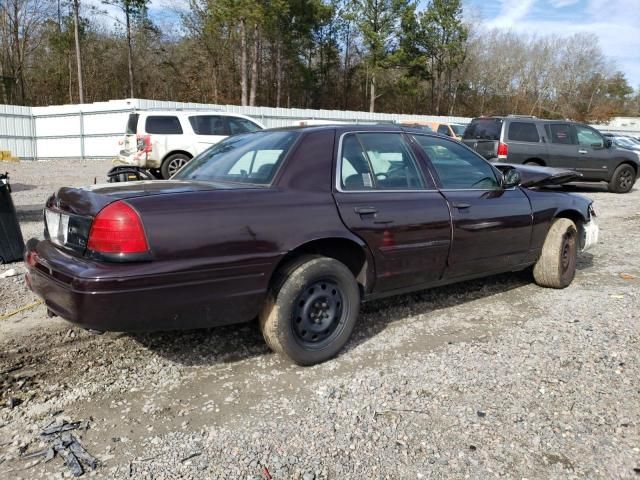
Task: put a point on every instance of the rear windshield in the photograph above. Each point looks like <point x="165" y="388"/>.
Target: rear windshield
<point x="483" y="129"/>
<point x="132" y="123"/>
<point x="252" y="158"/>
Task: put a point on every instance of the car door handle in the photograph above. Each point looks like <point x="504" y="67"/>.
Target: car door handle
<point x="366" y="210"/>
<point x="582" y="151"/>
<point x="460" y="205"/>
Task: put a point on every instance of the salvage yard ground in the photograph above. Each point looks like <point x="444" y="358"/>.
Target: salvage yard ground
<point x="489" y="378"/>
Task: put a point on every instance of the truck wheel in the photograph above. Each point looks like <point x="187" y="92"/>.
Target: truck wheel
<point x="172" y="164"/>
<point x="623" y="179"/>
<point x="311" y="310"/>
<point x="556" y="266"/>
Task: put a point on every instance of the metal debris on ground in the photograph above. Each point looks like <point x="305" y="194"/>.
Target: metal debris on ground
<point x="62" y="442"/>
<point x="12" y="272"/>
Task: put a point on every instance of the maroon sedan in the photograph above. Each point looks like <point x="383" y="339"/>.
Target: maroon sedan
<point x="297" y="227"/>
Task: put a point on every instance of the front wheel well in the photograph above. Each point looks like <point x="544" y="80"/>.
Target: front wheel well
<point x="577" y="218"/>
<point x="343" y="250"/>
<point x="632" y="165"/>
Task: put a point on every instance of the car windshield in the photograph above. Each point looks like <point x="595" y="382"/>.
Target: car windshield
<point x="458" y="129"/>
<point x="251" y="158"/>
<point x="483" y="129"/>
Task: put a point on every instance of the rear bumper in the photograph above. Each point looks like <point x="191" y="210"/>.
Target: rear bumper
<point x="112" y="301"/>
<point x="137" y="159"/>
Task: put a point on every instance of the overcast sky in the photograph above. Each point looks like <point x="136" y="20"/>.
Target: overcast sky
<point x="615" y="22"/>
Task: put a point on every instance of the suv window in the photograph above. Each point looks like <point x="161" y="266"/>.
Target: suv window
<point x="560" y="133"/>
<point x="484" y="129"/>
<point x="457" y="166"/>
<point x="241" y="125"/>
<point x="381" y="161"/>
<point x="523" y="132"/>
<point x="251" y="158"/>
<point x="588" y="136"/>
<point x="163" y="125"/>
<point x="132" y="123"/>
<point x="443" y="130"/>
<point x="208" y="125"/>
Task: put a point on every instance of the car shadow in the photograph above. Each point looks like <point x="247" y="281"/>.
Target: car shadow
<point x="585" y="187"/>
<point x="21" y="187"/>
<point x="29" y="213"/>
<point x="235" y="343"/>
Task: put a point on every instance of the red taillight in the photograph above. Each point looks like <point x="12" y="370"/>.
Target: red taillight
<point x="31" y="258"/>
<point x="143" y="142"/>
<point x="503" y="150"/>
<point x="117" y="229"/>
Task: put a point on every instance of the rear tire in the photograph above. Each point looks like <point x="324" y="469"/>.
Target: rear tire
<point x="622" y="179"/>
<point x="172" y="164"/>
<point x="556" y="266"/>
<point x="311" y="310"/>
<point x="533" y="163"/>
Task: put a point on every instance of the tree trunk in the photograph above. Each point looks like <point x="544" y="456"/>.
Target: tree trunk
<point x="243" y="62"/>
<point x="372" y="98"/>
<point x="129" y="51"/>
<point x="70" y="66"/>
<point x="345" y="82"/>
<point x="278" y="73"/>
<point x="254" y="67"/>
<point x="76" y="31"/>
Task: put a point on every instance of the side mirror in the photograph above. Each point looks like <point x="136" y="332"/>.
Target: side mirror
<point x="608" y="142"/>
<point x="511" y="178"/>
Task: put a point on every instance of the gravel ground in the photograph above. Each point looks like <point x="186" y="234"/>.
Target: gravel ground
<point x="490" y="378"/>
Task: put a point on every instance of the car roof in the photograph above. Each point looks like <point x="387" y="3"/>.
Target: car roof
<point x="355" y="127"/>
<point x="342" y="129"/>
<point x="175" y="113"/>
<point x="525" y="118"/>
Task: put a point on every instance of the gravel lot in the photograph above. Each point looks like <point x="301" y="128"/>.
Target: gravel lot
<point x="490" y="378"/>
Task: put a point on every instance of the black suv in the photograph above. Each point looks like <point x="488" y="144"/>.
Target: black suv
<point x="554" y="143"/>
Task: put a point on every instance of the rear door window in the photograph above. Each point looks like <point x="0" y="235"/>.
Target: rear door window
<point x="208" y="125"/>
<point x="483" y="129"/>
<point x="523" y="132"/>
<point x="560" y="133"/>
<point x="380" y="161"/>
<point x="241" y="125"/>
<point x="163" y="125"/>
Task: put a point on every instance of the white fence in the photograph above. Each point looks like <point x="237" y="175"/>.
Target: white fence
<point x="93" y="130"/>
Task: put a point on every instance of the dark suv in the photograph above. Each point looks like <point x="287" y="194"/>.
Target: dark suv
<point x="554" y="143"/>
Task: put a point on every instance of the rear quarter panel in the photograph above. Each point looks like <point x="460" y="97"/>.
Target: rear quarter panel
<point x="240" y="235"/>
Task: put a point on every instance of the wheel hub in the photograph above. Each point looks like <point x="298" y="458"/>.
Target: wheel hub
<point x="318" y="312"/>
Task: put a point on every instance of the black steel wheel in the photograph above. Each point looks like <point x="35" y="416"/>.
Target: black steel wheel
<point x="319" y="314"/>
<point x="311" y="310"/>
<point x="623" y="179"/>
